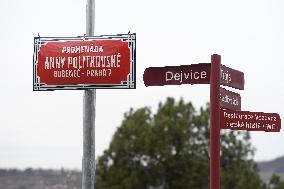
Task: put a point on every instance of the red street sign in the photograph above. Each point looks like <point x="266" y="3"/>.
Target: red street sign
<point x="229" y="99"/>
<point x="250" y="121"/>
<point x="84" y="62"/>
<point x="232" y="78"/>
<point x="177" y="75"/>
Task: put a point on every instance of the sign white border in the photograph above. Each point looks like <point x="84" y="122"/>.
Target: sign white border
<point x="131" y="79"/>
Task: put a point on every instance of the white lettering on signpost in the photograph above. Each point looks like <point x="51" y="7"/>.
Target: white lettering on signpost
<point x="98" y="64"/>
<point x="226" y="76"/>
<point x="203" y="75"/>
<point x="54" y="62"/>
<point x="227" y="99"/>
<point x="75" y="62"/>
<point x="82" y="49"/>
<point x="169" y="74"/>
<point x="177" y="77"/>
<point x="63" y="49"/>
<point x="181" y="76"/>
<point x="46" y="63"/>
<point x="92" y="61"/>
<point x="118" y="60"/>
<point x="66" y="73"/>
<point x="97" y="73"/>
<point x="69" y="61"/>
<point x="80" y="62"/>
<point x="112" y="60"/>
<point x="269" y="126"/>
<point x="225" y="114"/>
<point x="186" y="75"/>
<point x="196" y="75"/>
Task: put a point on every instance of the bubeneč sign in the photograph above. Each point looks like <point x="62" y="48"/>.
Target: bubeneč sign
<point x="86" y="62"/>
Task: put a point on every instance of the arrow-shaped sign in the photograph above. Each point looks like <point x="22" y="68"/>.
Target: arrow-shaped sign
<point x="229" y="99"/>
<point x="177" y="75"/>
<point x="250" y="121"/>
<point x="232" y="78"/>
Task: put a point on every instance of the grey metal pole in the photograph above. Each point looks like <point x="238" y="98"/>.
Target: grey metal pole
<point x="88" y="162"/>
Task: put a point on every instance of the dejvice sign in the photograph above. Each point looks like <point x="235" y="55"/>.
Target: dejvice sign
<point x="84" y="62"/>
<point x="177" y="75"/>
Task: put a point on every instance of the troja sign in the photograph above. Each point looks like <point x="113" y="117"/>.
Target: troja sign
<point x="251" y="121"/>
<point x="232" y="78"/>
<point x="84" y="62"/>
<point x="177" y="75"/>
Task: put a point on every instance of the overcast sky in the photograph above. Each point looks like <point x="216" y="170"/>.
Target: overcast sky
<point x="44" y="129"/>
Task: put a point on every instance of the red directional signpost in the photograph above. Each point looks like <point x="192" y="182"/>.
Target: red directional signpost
<point x="215" y="122"/>
<point x="225" y="105"/>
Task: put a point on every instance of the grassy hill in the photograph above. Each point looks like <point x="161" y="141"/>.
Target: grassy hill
<point x="267" y="168"/>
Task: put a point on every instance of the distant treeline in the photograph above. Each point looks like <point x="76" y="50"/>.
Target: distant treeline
<point x="40" y="179"/>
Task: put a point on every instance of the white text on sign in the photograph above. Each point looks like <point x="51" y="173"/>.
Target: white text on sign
<point x="180" y="76"/>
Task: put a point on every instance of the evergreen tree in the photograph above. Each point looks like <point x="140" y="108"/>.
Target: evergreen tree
<point x="275" y="182"/>
<point x="170" y="150"/>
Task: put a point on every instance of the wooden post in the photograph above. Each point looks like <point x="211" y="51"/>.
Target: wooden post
<point x="215" y="122"/>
